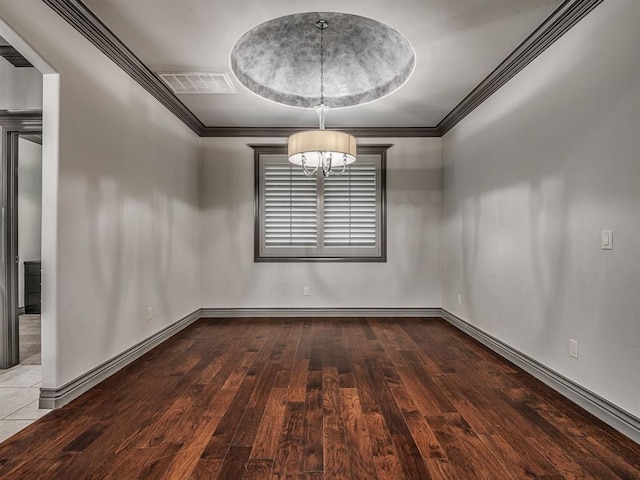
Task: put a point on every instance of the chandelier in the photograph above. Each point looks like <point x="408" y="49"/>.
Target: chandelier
<point x="329" y="150"/>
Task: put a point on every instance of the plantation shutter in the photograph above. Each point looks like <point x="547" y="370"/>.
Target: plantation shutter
<point x="350" y="207"/>
<point x="290" y="206"/>
<point x="318" y="218"/>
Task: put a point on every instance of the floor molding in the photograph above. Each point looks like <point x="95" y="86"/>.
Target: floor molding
<point x="606" y="411"/>
<point x="318" y="312"/>
<point x="57" y="397"/>
<point x="620" y="419"/>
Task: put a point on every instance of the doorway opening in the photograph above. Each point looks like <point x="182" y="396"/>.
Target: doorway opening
<point x="30" y="86"/>
<point x="20" y="280"/>
<point x="29" y="248"/>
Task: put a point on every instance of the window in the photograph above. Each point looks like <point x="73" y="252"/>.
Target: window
<point x="317" y="218"/>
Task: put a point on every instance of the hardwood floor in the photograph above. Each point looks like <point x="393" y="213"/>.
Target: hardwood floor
<point x="320" y="399"/>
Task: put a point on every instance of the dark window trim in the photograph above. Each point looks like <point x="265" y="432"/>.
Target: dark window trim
<point x="266" y="149"/>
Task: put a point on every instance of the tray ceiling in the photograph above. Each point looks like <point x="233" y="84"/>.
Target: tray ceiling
<point x="457" y="44"/>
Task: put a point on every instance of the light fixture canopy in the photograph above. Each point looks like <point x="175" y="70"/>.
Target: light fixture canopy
<point x="329" y="150"/>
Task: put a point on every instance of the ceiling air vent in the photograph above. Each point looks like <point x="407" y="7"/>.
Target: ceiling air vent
<point x="198" y="82"/>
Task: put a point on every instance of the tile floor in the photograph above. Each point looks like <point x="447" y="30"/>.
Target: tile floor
<point x="19" y="392"/>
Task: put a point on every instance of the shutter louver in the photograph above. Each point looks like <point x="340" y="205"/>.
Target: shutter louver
<point x="350" y="207"/>
<point x="290" y="207"/>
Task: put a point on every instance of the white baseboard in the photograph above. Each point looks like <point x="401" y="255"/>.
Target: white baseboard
<point x="620" y="419"/>
<point x="319" y="312"/>
<point x="57" y="397"/>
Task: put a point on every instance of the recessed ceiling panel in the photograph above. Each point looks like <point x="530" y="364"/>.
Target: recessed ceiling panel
<point x="345" y="59"/>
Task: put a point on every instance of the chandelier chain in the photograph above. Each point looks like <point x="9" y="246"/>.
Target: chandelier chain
<point x="322" y="25"/>
<point x="322" y="66"/>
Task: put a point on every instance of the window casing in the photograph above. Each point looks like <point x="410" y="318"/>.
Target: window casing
<point x="316" y="218"/>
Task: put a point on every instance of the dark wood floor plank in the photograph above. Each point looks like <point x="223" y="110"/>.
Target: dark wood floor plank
<point x="340" y="351"/>
<point x="206" y="469"/>
<point x="381" y="442"/>
<point x="288" y="457"/>
<point x="492" y="417"/>
<point x="298" y="384"/>
<point x="228" y="426"/>
<point x="558" y="458"/>
<point x="320" y="398"/>
<point x="293" y="330"/>
<point x="385" y="456"/>
<point x="258" y="470"/>
<point x="235" y="463"/>
<point x="461" y="460"/>
<point x="158" y="460"/>
<point x="266" y="441"/>
<point x="335" y="453"/>
<point x="419" y="391"/>
<point x="356" y="343"/>
<point x="442" y="401"/>
<point x="313" y="434"/>
<point x="408" y="453"/>
<point x="357" y="436"/>
<point x="432" y="452"/>
<point x="316" y="347"/>
<point x="185" y="461"/>
<point x="483" y="456"/>
<point x="519" y="463"/>
<point x="594" y="461"/>
<point x="248" y="427"/>
<point x="435" y="340"/>
<point x="392" y="339"/>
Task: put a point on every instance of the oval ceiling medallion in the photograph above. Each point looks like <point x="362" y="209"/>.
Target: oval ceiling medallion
<point x="363" y="60"/>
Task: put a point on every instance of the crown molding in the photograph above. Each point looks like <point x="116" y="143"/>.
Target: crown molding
<point x="78" y="15"/>
<point x="557" y="24"/>
<point x="360" y="132"/>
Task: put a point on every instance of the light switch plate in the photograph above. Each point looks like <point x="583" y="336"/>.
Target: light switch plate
<point x="573" y="348"/>
<point x="607" y="240"/>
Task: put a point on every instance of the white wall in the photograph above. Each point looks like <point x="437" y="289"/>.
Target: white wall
<point x="530" y="179"/>
<point x="29" y="207"/>
<point x="20" y="88"/>
<point x="123" y="182"/>
<point x="410" y="278"/>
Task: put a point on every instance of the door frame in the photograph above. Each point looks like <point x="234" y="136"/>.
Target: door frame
<point x="12" y="125"/>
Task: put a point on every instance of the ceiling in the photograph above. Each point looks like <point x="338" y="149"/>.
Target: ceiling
<point x="457" y="44"/>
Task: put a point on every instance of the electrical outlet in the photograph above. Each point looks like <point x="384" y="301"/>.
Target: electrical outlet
<point x="459" y="299"/>
<point x="305" y="291"/>
<point x="149" y="313"/>
<point x="573" y="348"/>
